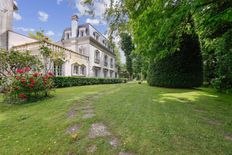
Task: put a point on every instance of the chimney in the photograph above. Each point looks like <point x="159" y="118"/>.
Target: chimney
<point x="74" y="26"/>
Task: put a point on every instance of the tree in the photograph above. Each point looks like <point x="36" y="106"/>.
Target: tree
<point x="39" y="35"/>
<point x="157" y="29"/>
<point x="127" y="46"/>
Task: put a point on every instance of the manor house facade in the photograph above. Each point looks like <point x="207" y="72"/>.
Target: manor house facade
<point x="86" y="51"/>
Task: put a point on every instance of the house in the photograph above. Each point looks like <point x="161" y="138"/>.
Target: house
<point x="86" y="51"/>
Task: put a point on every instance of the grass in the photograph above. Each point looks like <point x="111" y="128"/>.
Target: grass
<point x="146" y="120"/>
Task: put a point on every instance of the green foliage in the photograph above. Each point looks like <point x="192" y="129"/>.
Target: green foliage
<point x="127" y="47"/>
<point x="10" y="61"/>
<point x="181" y="69"/>
<point x="39" y="35"/>
<point x="157" y="28"/>
<point x="20" y="77"/>
<point x="215" y="30"/>
<point x="81" y="81"/>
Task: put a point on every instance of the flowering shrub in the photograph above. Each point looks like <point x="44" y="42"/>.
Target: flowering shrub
<point x="27" y="85"/>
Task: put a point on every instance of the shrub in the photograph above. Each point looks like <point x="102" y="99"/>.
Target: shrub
<point x="81" y="81"/>
<point x="27" y="85"/>
<point x="180" y="69"/>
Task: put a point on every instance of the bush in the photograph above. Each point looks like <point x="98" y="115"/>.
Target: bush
<point x="181" y="69"/>
<point x="81" y="81"/>
<point x="27" y="85"/>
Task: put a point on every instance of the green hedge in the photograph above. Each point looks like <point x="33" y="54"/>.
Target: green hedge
<point x="62" y="81"/>
<point x="181" y="69"/>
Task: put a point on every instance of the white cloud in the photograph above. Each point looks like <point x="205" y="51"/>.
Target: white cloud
<point x="50" y="33"/>
<point x="93" y="21"/>
<point x="81" y="7"/>
<point x="59" y="1"/>
<point x="43" y="16"/>
<point x="17" y="16"/>
<point x="98" y="8"/>
<point x="25" y="29"/>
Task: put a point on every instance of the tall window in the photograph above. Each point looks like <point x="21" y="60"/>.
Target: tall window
<point x="96" y="72"/>
<point x="76" y="69"/>
<point x="105" y="73"/>
<point x="111" y="63"/>
<point x="97" y="57"/>
<point x="111" y="74"/>
<point x="105" y="60"/>
<point x="58" y="70"/>
<point x="83" y="70"/>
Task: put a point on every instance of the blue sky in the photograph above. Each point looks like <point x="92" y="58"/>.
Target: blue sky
<point x="52" y="16"/>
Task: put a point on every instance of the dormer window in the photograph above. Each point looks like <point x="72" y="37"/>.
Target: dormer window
<point x="82" y="33"/>
<point x="67" y="36"/>
<point x="96" y="35"/>
<point x="104" y="42"/>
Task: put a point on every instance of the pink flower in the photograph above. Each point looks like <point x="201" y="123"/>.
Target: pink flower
<point x="50" y="74"/>
<point x="20" y="71"/>
<point x="27" y="69"/>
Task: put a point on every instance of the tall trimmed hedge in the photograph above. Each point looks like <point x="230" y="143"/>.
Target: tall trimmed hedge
<point x="62" y="81"/>
<point x="181" y="69"/>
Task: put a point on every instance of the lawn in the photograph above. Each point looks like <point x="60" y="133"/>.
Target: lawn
<point x="142" y="119"/>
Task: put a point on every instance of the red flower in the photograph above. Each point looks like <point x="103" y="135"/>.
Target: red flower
<point x="27" y="69"/>
<point x="45" y="78"/>
<point x="17" y="77"/>
<point x="23" y="80"/>
<point x="16" y="88"/>
<point x="36" y="74"/>
<point x="50" y="74"/>
<point x="20" y="71"/>
<point x="22" y="96"/>
<point x="32" y="80"/>
<point x="31" y="85"/>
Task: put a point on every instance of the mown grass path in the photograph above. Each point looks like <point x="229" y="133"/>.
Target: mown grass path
<point x="142" y="119"/>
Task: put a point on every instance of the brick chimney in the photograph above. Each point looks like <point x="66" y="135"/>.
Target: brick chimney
<point x="74" y="26"/>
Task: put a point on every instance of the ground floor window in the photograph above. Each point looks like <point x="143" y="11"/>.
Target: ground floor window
<point x="97" y="72"/>
<point x="83" y="70"/>
<point x="111" y="74"/>
<point x="58" y="70"/>
<point x="105" y="73"/>
<point x="76" y="69"/>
